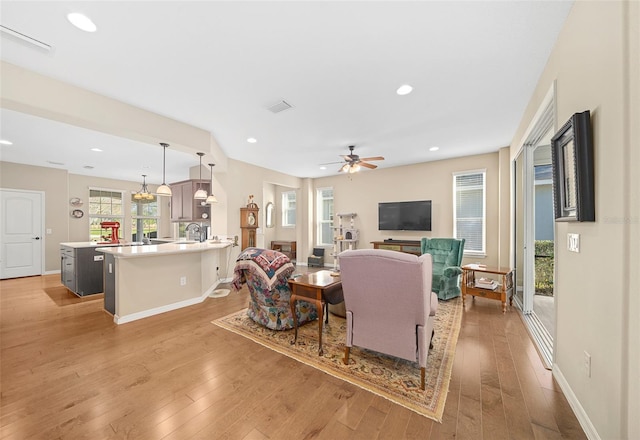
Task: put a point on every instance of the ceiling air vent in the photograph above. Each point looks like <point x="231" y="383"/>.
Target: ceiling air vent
<point x="279" y="107"/>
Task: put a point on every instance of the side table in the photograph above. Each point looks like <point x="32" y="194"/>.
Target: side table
<point x="319" y="288"/>
<point x="500" y="293"/>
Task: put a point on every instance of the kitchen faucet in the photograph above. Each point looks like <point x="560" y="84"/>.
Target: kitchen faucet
<point x="195" y="229"/>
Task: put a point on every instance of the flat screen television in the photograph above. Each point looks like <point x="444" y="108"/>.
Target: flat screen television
<point x="404" y="216"/>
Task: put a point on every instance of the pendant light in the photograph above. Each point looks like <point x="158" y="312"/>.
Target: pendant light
<point x="200" y="194"/>
<point x="212" y="199"/>
<point x="143" y="193"/>
<point x="164" y="189"/>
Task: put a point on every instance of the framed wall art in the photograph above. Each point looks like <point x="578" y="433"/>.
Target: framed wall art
<point x="573" y="170"/>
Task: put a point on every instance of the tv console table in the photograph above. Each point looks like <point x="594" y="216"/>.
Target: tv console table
<point x="406" y="246"/>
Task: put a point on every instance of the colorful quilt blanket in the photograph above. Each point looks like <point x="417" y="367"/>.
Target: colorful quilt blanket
<point x="264" y="263"/>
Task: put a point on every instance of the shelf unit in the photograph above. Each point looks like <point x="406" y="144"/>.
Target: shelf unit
<point x="344" y="237"/>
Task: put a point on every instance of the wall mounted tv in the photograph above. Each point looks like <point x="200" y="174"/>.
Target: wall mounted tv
<point x="404" y="216"/>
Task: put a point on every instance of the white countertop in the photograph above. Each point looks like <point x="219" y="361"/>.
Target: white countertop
<point x="151" y="250"/>
<point x="86" y="244"/>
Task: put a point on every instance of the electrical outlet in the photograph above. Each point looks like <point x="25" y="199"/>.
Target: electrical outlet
<point x="587" y="364"/>
<point x="573" y="242"/>
<point x="183" y="281"/>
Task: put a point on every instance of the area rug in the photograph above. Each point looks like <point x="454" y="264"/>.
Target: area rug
<point x="392" y="378"/>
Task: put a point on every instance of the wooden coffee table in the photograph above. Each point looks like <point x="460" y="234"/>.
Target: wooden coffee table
<point x="319" y="288"/>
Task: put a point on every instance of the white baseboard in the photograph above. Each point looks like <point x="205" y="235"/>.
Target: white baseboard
<point x="51" y="272"/>
<point x="167" y="308"/>
<point x="577" y="408"/>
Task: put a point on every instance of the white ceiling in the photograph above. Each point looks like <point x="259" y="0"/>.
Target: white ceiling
<point x="219" y="65"/>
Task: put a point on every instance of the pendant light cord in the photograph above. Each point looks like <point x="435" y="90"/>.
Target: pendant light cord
<point x="164" y="161"/>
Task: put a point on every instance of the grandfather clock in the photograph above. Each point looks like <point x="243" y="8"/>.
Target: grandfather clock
<point x="249" y="224"/>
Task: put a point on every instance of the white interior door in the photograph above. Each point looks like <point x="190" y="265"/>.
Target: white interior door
<point x="20" y="233"/>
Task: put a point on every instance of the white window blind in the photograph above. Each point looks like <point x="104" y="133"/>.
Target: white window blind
<point x="469" y="210"/>
<point x="289" y="208"/>
<point x="324" y="216"/>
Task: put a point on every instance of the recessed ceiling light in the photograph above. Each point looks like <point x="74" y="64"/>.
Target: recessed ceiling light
<point x="323" y="168"/>
<point x="5" y="142"/>
<point x="82" y="22"/>
<point x="252" y="140"/>
<point x="404" y="89"/>
<point x="54" y="163"/>
<point x="88" y="167"/>
<point x="434" y="148"/>
<point x="96" y="149"/>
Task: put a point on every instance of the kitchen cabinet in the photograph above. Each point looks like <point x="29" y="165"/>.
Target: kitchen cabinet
<point x="81" y="270"/>
<point x="110" y="283"/>
<point x="184" y="208"/>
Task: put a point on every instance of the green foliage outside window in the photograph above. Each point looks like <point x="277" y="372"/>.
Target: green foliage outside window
<point x="544" y="267"/>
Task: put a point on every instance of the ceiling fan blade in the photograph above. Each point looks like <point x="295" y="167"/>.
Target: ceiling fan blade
<point x="347" y="157"/>
<point x="331" y="163"/>
<point x="368" y="165"/>
<point x="372" y="158"/>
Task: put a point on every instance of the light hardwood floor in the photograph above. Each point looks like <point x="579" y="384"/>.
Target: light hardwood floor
<point x="68" y="372"/>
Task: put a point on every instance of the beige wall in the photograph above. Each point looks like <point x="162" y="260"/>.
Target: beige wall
<point x="595" y="66"/>
<point x="360" y="193"/>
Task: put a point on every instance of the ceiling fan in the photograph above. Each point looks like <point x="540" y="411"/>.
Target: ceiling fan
<point x="355" y="162"/>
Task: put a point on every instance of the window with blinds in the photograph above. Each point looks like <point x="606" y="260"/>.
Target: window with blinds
<point x="289" y="209"/>
<point x="324" y="216"/>
<point x="469" y="210"/>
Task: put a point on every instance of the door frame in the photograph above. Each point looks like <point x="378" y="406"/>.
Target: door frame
<point x="541" y="123"/>
<point x="42" y="223"/>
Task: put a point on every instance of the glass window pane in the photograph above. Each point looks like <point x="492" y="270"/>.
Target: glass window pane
<point x="469" y="210"/>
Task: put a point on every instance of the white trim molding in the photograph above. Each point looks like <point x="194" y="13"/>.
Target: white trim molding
<point x="577" y="408"/>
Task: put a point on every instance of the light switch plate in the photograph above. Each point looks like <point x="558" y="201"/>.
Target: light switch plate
<point x="573" y="242"/>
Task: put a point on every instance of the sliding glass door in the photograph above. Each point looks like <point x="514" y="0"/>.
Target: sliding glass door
<point x="534" y="233"/>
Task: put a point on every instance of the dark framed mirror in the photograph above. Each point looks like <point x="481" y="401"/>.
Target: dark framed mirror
<point x="573" y="169"/>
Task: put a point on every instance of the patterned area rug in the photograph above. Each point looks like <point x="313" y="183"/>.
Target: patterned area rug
<point x="394" y="379"/>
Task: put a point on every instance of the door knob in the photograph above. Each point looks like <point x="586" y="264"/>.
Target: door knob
<point x="36" y="238"/>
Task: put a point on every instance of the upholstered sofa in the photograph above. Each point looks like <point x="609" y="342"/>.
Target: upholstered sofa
<point x="266" y="273"/>
<point x="389" y="303"/>
<point x="447" y="258"/>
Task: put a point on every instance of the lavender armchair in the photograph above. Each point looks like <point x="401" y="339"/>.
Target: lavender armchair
<point x="389" y="303"/>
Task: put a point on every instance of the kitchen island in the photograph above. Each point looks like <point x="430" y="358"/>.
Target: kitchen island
<point x="142" y="281"/>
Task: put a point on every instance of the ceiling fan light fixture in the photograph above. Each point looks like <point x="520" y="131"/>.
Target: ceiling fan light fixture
<point x="354" y="168"/>
<point x="404" y="89"/>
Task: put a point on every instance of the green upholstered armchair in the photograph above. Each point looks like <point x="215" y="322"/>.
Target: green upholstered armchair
<point x="447" y="259"/>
